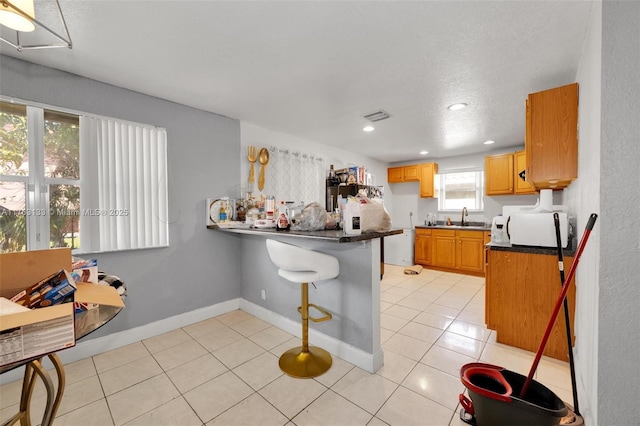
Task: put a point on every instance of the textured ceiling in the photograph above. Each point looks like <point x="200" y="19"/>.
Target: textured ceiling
<point x="313" y="69"/>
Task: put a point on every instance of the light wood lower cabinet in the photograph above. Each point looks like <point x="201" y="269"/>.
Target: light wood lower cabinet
<point x="451" y="250"/>
<point x="521" y="292"/>
<point x="422" y="253"/>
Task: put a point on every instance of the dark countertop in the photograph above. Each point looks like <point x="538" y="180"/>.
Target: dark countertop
<point x="335" y="235"/>
<point x="570" y="251"/>
<point x="471" y="227"/>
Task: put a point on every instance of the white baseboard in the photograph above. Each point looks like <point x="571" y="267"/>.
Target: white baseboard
<point x="358" y="357"/>
<point x="366" y="361"/>
<point x="85" y="349"/>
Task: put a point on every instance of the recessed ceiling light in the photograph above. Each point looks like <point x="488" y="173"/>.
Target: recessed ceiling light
<point x="424" y="152"/>
<point x="368" y="129"/>
<point x="489" y="142"/>
<point x="456" y="107"/>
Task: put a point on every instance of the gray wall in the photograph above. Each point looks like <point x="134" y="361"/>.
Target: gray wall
<point x="584" y="198"/>
<point x="199" y="268"/>
<point x="619" y="315"/>
<point x="607" y="316"/>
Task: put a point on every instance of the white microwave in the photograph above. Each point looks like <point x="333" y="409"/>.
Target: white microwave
<point x="537" y="229"/>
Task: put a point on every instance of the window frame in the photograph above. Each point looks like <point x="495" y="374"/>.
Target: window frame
<point x="37" y="185"/>
<point x="479" y="190"/>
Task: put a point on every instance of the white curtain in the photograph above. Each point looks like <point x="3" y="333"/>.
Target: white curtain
<point x="126" y="172"/>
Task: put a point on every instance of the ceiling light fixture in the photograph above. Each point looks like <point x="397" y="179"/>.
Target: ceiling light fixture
<point x="456" y="107"/>
<point x="489" y="142"/>
<point x="19" y="15"/>
<point x="424" y="152"/>
<point x="368" y="128"/>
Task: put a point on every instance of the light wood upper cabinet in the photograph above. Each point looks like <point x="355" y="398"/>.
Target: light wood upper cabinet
<point x="552" y="137"/>
<point x="423" y="173"/>
<point x="427" y="175"/>
<point x="411" y="173"/>
<point x="521" y="186"/>
<point x="498" y="174"/>
<point x="423" y="243"/>
<point x="395" y="174"/>
<point x="402" y="174"/>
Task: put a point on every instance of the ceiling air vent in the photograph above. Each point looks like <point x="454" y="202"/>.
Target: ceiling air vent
<point x="377" y="116"/>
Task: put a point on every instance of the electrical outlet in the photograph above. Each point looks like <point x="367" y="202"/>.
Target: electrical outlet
<point x="263" y="294"/>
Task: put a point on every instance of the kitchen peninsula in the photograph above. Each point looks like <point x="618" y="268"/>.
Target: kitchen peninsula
<point x="353" y="298"/>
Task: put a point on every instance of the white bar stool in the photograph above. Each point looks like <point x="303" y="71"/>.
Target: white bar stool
<point x="300" y="265"/>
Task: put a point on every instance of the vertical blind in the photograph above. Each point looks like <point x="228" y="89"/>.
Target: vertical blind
<point x="126" y="175"/>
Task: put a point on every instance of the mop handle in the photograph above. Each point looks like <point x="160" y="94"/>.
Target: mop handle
<point x="567" y="321"/>
<point x="563" y="294"/>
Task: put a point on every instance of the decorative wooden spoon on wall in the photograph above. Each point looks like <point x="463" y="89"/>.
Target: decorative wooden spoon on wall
<point x="263" y="157"/>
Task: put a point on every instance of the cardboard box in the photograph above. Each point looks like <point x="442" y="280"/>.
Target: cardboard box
<point x="35" y="333"/>
<point x="51" y="290"/>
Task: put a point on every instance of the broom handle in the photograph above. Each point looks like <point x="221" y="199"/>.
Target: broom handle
<point x="556" y="309"/>
<point x="567" y="321"/>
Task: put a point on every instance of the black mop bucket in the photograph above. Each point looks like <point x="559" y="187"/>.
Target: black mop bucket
<point x="494" y="402"/>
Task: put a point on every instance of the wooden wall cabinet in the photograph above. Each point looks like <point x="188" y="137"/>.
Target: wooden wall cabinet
<point x="521" y="292"/>
<point x="551" y="137"/>
<point x="423" y="173"/>
<point x="498" y="174"/>
<point x="521" y="186"/>
<point x="427" y="177"/>
<point x="423" y="242"/>
<point x="403" y="174"/>
<point x="502" y="174"/>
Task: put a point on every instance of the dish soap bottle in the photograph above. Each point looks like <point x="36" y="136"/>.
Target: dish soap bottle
<point x="282" y="221"/>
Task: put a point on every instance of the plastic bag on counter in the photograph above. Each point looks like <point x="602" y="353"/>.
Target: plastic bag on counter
<point x="314" y="218"/>
<point x="373" y="216"/>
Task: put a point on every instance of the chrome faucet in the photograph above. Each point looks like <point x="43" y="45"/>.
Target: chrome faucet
<point x="464" y="213"/>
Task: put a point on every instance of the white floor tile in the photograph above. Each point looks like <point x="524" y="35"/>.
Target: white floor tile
<point x="238" y="352"/>
<point x="396" y="367"/>
<point x="434" y="384"/>
<point x="332" y="409"/>
<point x="95" y="414"/>
<point x="461" y="344"/>
<point x="178" y="355"/>
<point x="129" y="374"/>
<point x="368" y="391"/>
<point x="260" y="371"/>
<point x="174" y="413"/>
<point x="212" y="398"/>
<point x="290" y="396"/>
<point x="117" y="357"/>
<point x="407" y="346"/>
<point x="139" y="399"/>
<point x="166" y="340"/>
<point x="194" y="373"/>
<point x="407" y="408"/>
<point x="251" y="411"/>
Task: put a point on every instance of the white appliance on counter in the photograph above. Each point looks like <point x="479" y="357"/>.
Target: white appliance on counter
<point x="533" y="225"/>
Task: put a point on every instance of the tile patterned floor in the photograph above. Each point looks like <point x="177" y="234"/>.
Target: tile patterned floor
<point x="224" y="371"/>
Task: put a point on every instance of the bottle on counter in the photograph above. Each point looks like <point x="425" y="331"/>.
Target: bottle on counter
<point x="270" y="207"/>
<point x="282" y="221"/>
<point x="352" y="218"/>
<point x="223" y="213"/>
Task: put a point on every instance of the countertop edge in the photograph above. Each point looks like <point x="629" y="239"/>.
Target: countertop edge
<point x="551" y="251"/>
<point x="337" y="236"/>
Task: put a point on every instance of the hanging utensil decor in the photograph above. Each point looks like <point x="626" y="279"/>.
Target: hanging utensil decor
<point x="263" y="157"/>
<point x="252" y="156"/>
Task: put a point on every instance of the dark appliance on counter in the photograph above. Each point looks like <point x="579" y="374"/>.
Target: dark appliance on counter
<point x="336" y="184"/>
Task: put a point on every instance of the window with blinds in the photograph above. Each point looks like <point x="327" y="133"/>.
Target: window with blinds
<point x="91" y="184"/>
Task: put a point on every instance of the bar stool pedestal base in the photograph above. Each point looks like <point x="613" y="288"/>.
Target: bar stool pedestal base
<point x="297" y="363"/>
